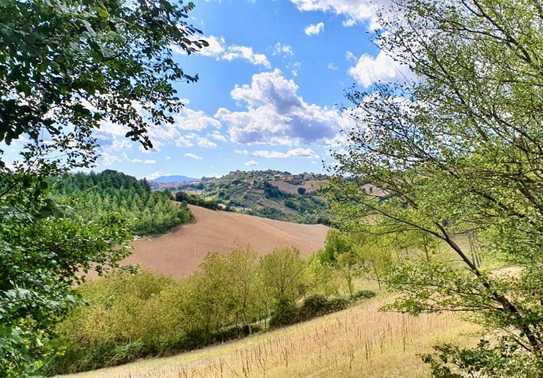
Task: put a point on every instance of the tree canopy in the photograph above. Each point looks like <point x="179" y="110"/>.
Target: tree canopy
<point x="67" y="69"/>
<point x="458" y="152"/>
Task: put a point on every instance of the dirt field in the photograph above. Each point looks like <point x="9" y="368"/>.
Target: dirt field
<point x="179" y="252"/>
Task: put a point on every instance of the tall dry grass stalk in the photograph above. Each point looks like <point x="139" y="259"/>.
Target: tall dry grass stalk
<point x="359" y="342"/>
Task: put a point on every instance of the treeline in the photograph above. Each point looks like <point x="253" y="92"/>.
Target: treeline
<point x="146" y="212"/>
<point x="193" y="199"/>
<point x="130" y="316"/>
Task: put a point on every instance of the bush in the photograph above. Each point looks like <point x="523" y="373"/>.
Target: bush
<point x="318" y="305"/>
<point x="363" y="294"/>
<point x="284" y="313"/>
<point x="314" y="305"/>
<point x="131" y="315"/>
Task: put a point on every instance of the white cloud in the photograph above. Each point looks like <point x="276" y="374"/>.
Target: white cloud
<point x="193" y="156"/>
<point x="350" y="56"/>
<point x="314" y="29"/>
<point x="156" y="175"/>
<point x="251" y="163"/>
<point x="140" y="161"/>
<point x="219" y="50"/>
<point x="281" y="49"/>
<point x="353" y="10"/>
<point x="296" y="152"/>
<point x="206" y="143"/>
<point x="241" y="152"/>
<point x="217" y="136"/>
<point x="182" y="133"/>
<point x="276" y="114"/>
<point x="107" y="159"/>
<point x="197" y="120"/>
<point x="369" y="70"/>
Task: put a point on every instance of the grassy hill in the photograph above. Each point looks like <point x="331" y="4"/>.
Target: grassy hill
<point x="271" y="194"/>
<point x="358" y="342"/>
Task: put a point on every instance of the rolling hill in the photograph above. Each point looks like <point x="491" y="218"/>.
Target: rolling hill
<point x="178" y="253"/>
<point x="271" y="194"/>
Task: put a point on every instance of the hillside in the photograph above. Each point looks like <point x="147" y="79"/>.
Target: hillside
<point x="271" y="194"/>
<point x="179" y="252"/>
<point x="99" y="195"/>
<point x="359" y="342"/>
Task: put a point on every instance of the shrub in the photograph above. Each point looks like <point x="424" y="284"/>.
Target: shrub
<point x="284" y="313"/>
<point x="337" y="304"/>
<point x="363" y="294"/>
<point x="314" y="305"/>
<point x="318" y="305"/>
<point x="130" y="315"/>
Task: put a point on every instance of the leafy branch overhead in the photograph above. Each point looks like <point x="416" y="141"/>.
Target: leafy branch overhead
<point x="70" y="67"/>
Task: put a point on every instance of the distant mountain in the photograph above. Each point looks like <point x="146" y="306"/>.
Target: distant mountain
<point x="172" y="182"/>
<point x="174" y="179"/>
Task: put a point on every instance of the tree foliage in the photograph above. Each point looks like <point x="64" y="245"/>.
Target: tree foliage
<point x="130" y="316"/>
<point x="457" y="151"/>
<point x="68" y="68"/>
<point x="145" y="212"/>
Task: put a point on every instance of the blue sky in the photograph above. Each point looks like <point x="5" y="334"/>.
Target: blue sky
<point x="271" y="86"/>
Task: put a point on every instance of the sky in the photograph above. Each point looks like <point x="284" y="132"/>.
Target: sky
<point x="270" y="90"/>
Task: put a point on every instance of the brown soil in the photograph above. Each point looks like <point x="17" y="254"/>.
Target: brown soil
<point x="179" y="252"/>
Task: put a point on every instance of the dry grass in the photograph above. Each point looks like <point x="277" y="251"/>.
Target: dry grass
<point x="359" y="342"/>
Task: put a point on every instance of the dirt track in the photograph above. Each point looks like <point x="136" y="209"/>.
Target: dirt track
<point x="179" y="252"/>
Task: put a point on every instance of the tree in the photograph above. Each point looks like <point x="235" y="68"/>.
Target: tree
<point x="282" y="274"/>
<point x="458" y="150"/>
<point x="68" y="68"/>
<point x="342" y="253"/>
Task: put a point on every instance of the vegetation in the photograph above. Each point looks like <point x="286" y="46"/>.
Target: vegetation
<point x="359" y="341"/>
<point x="129" y="316"/>
<point x="270" y="194"/>
<point x="458" y="152"/>
<point x="67" y="69"/>
<point x="145" y="212"/>
<point x="187" y="198"/>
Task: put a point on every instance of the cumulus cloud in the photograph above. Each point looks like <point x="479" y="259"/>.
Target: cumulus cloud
<point x="193" y="156"/>
<point x="314" y="29"/>
<point x="182" y="133"/>
<point x="251" y="163"/>
<point x="281" y="49"/>
<point x="206" y="143"/>
<point x="369" y="70"/>
<point x="354" y="11"/>
<point x="296" y="152"/>
<point x="276" y="114"/>
<point x="196" y="120"/>
<point x="219" y="50"/>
